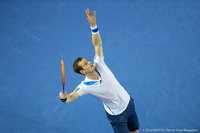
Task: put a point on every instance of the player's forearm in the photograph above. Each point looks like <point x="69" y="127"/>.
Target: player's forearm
<point x="68" y="100"/>
<point x="96" y="40"/>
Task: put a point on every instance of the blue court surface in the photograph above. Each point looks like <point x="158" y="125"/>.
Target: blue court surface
<point x="151" y="46"/>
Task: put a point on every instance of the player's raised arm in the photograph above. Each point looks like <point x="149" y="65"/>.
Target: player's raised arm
<point x="96" y="39"/>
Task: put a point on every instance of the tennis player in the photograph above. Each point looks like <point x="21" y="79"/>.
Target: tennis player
<point x="102" y="84"/>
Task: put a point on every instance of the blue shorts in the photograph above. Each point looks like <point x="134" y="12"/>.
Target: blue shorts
<point x="125" y="122"/>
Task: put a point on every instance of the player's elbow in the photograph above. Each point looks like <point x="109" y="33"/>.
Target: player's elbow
<point x="98" y="47"/>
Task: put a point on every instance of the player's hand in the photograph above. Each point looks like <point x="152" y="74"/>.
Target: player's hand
<point x="62" y="96"/>
<point x="91" y="18"/>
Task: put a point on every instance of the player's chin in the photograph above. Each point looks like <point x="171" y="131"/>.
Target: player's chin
<point x="92" y="67"/>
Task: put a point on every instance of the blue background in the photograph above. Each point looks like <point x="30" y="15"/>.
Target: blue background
<point x="152" y="47"/>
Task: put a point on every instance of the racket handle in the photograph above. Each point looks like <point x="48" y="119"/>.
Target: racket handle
<point x="63" y="90"/>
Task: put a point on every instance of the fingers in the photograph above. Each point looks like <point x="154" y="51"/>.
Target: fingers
<point x="62" y="93"/>
<point x="62" y="96"/>
<point x="86" y="12"/>
<point x="89" y="12"/>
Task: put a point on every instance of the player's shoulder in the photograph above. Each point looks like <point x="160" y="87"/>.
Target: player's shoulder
<point x="96" y="57"/>
<point x="78" y="87"/>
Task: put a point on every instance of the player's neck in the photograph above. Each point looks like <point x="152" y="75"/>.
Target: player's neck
<point x="93" y="75"/>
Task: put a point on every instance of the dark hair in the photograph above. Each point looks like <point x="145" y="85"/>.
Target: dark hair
<point x="76" y="67"/>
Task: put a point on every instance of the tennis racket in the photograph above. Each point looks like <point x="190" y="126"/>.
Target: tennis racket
<point x="63" y="76"/>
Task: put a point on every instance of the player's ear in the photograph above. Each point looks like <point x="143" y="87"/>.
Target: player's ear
<point x="82" y="72"/>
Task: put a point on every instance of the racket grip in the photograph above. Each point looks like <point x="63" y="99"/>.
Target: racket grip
<point x="63" y="90"/>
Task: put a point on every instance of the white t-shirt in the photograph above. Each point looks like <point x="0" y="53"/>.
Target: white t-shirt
<point x="106" y="88"/>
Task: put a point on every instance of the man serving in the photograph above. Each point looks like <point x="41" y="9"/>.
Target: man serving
<point x="102" y="84"/>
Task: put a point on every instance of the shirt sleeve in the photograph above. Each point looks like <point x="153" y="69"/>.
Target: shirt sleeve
<point x="98" y="61"/>
<point x="81" y="90"/>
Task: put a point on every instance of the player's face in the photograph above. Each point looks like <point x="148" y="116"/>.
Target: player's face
<point x="87" y="66"/>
